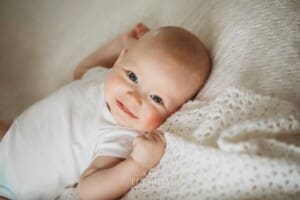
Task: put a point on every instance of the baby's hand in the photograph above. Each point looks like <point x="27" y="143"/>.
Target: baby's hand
<point x="148" y="149"/>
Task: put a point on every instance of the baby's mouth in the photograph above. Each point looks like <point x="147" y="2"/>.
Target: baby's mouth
<point x="125" y="109"/>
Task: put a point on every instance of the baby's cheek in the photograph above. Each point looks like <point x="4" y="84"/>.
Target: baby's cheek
<point x="153" y="122"/>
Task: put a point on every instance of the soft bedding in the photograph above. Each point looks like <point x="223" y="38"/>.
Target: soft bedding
<point x="240" y="146"/>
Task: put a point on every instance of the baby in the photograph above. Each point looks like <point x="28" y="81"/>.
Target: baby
<point x="104" y="135"/>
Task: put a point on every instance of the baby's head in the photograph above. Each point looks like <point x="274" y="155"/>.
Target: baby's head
<point x="153" y="78"/>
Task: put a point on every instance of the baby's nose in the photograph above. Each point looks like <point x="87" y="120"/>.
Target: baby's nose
<point x="134" y="98"/>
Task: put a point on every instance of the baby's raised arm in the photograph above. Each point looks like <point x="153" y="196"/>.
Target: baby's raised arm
<point x="4" y="126"/>
<point x="110" y="178"/>
<point x="106" y="55"/>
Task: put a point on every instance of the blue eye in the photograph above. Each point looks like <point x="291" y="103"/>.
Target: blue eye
<point x="156" y="99"/>
<point x="132" y="76"/>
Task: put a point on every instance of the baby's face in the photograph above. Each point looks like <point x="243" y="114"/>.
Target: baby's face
<point x="146" y="87"/>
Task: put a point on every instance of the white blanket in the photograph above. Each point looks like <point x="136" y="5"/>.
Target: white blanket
<point x="240" y="146"/>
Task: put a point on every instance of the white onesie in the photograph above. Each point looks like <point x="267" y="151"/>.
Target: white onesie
<point x="52" y="142"/>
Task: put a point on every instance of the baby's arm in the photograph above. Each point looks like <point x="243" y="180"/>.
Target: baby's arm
<point x="111" y="182"/>
<point x="106" y="55"/>
<point x="4" y="126"/>
<point x="110" y="178"/>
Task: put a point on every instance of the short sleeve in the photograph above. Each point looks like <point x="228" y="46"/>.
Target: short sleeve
<point x="115" y="147"/>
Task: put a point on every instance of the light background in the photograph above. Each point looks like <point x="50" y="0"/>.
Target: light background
<point x="42" y="41"/>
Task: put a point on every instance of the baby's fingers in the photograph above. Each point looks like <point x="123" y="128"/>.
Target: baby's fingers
<point x="159" y="136"/>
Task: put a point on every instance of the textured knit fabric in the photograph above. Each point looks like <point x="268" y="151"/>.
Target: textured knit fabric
<point x="240" y="146"/>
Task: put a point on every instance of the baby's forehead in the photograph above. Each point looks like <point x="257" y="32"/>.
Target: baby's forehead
<point x="168" y="77"/>
<point x="165" y="65"/>
<point x="174" y="58"/>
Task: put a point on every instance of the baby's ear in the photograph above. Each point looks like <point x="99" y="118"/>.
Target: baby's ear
<point x="121" y="56"/>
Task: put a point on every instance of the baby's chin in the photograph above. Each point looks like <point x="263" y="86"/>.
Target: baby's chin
<point x="142" y="129"/>
<point x="128" y="124"/>
<point x="150" y="126"/>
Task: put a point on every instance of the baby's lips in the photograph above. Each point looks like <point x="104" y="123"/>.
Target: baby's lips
<point x="126" y="109"/>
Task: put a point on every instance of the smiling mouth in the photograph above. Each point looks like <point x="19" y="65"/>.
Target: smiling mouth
<point x="125" y="109"/>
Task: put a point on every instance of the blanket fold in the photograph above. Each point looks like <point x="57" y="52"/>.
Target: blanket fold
<point x="242" y="145"/>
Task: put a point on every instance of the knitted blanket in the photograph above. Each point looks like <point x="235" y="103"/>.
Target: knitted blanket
<point x="240" y="146"/>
